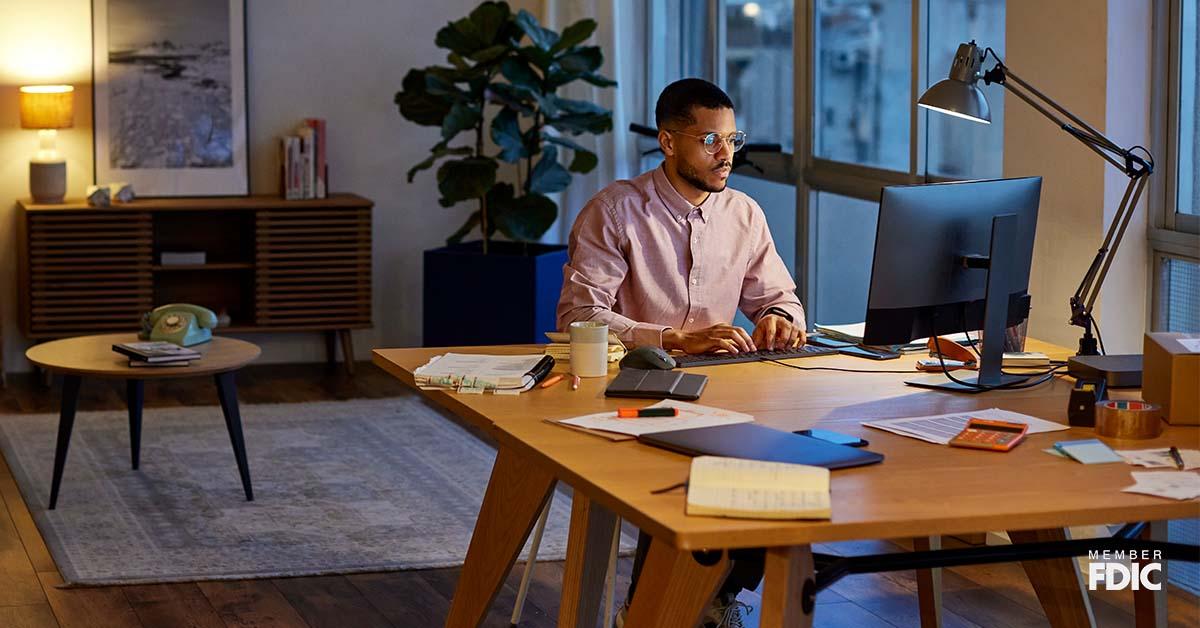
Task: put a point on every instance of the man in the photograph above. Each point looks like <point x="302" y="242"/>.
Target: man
<point x="667" y="258"/>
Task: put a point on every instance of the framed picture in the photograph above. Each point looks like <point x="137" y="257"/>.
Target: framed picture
<point x="169" y="80"/>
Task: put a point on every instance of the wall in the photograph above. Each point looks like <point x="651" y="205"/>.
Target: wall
<point x="304" y="58"/>
<point x="1096" y="69"/>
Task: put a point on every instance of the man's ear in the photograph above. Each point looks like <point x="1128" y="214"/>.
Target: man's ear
<point x="666" y="142"/>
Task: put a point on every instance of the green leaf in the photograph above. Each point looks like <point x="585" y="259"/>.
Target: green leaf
<point x="580" y="106"/>
<point x="548" y="175"/>
<point x="526" y="218"/>
<point x="520" y="75"/>
<point x="598" y="80"/>
<point x="457" y="61"/>
<point x="439" y="151"/>
<point x="506" y="133"/>
<point x="582" y="123"/>
<point x="417" y="104"/>
<point x="575" y="34"/>
<point x="461" y="36"/>
<point x="489" y="19"/>
<point x="543" y="38"/>
<point x="582" y="60"/>
<point x="543" y="59"/>
<point x="470" y="224"/>
<point x="490" y="54"/>
<point x="462" y="116"/>
<point x="511" y="97"/>
<point x="464" y="179"/>
<point x="583" y="162"/>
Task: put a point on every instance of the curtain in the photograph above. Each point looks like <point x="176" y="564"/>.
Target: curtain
<point x="621" y="34"/>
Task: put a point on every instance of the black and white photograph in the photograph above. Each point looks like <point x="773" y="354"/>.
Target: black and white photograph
<point x="170" y="95"/>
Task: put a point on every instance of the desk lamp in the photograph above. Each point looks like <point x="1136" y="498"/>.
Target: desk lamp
<point x="960" y="96"/>
<point x="47" y="108"/>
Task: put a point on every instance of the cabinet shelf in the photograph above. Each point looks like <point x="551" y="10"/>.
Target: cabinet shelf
<point x="217" y="266"/>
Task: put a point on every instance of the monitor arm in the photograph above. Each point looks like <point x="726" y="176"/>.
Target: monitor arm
<point x="1127" y="160"/>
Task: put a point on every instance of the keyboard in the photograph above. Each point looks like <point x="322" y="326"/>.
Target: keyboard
<point x="712" y="359"/>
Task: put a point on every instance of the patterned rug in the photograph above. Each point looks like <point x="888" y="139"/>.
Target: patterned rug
<point x="339" y="487"/>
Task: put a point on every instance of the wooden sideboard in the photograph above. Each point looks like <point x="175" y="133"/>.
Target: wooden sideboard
<point x="271" y="264"/>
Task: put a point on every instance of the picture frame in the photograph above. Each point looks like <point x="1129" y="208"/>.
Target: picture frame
<point x="169" y="96"/>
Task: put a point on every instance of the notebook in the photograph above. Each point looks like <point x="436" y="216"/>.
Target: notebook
<point x="654" y="384"/>
<point x="751" y="441"/>
<point x="1088" y="451"/>
<point x="752" y="489"/>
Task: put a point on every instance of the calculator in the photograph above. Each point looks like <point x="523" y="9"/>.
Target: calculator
<point x="989" y="434"/>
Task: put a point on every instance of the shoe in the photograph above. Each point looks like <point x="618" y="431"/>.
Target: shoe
<point x="619" y="618"/>
<point x="726" y="612"/>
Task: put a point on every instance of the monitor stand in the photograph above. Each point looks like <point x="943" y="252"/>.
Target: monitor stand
<point x="999" y="264"/>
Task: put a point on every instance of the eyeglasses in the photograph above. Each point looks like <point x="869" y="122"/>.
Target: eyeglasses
<point x="713" y="141"/>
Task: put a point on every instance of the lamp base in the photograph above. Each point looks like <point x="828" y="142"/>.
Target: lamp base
<point x="48" y="181"/>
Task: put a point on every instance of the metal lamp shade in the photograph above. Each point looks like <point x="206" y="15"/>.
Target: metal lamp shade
<point x="957" y="98"/>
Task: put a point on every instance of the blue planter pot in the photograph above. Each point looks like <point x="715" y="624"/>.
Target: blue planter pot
<point x="505" y="297"/>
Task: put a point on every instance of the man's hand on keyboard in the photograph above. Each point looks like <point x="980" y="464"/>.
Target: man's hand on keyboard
<point x="776" y="332"/>
<point x="720" y="337"/>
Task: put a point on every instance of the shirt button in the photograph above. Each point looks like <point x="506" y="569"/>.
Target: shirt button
<point x="695" y="281"/>
<point x="691" y="320"/>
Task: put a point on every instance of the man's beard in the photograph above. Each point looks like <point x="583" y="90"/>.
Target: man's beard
<point x="692" y="176"/>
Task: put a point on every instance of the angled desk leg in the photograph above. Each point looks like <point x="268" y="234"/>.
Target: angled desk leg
<point x="588" y="546"/>
<point x="929" y="584"/>
<point x="1150" y="607"/>
<point x="66" y="421"/>
<point x="1057" y="581"/>
<point x="789" y="588"/>
<point x="516" y="494"/>
<point x="674" y="589"/>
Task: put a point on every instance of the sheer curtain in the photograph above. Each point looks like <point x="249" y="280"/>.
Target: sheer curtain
<point x="621" y="34"/>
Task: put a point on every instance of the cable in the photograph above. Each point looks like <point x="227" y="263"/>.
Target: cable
<point x="1096" y="327"/>
<point x="830" y="368"/>
<point x="984" y="387"/>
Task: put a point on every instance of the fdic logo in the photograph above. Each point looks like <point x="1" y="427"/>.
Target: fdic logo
<point x="1124" y="569"/>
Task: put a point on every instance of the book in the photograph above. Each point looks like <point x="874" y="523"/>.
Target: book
<point x="1088" y="451"/>
<point x="290" y="158"/>
<point x="475" y="373"/>
<point x="319" y="151"/>
<point x="307" y="162"/>
<point x="560" y="346"/>
<point x="155" y="351"/>
<point x="1025" y="358"/>
<point x="140" y="363"/>
<point x="754" y="489"/>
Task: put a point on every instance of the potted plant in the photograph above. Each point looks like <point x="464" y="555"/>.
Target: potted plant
<point x="503" y="76"/>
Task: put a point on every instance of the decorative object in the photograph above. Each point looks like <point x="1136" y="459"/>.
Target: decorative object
<point x="99" y="196"/>
<point x="121" y="192"/>
<point x="343" y="487"/>
<point x="170" y="95"/>
<point x="504" y="74"/>
<point x="47" y="108"/>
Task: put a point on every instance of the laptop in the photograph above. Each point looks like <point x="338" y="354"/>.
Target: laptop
<point x="756" y="442"/>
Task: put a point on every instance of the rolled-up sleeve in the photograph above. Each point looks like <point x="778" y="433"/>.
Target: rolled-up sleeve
<point x="595" y="268"/>
<point x="767" y="283"/>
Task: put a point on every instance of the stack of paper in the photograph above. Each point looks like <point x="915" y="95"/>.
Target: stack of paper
<point x="853" y="332"/>
<point x="1160" y="457"/>
<point x="560" y="346"/>
<point x="943" y="427"/>
<point x="1169" y="484"/>
<point x="470" y="373"/>
<point x="691" y="415"/>
<point x="1087" y="451"/>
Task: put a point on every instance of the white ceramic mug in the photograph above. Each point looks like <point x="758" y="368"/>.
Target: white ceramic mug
<point x="589" y="348"/>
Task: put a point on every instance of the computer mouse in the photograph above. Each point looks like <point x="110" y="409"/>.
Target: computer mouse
<point x="648" y="358"/>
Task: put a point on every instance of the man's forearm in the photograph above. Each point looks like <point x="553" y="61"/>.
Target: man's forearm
<point x="630" y="332"/>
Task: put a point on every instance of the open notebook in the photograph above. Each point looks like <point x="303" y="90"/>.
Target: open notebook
<point x="753" y="489"/>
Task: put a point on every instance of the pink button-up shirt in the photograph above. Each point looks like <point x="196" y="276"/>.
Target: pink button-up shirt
<point x="643" y="260"/>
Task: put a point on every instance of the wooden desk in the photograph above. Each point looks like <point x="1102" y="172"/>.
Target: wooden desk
<point x="920" y="490"/>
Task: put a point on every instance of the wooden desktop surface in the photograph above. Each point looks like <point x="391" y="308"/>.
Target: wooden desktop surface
<point x="920" y="489"/>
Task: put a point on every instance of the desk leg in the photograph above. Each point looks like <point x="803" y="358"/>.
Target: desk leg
<point x="1150" y="607"/>
<point x="929" y="584"/>
<point x="516" y="493"/>
<point x="674" y="589"/>
<point x="588" y="546"/>
<point x="789" y="588"/>
<point x="1057" y="581"/>
<point x="227" y="394"/>
<point x="66" y="421"/>
<point x="135" y="392"/>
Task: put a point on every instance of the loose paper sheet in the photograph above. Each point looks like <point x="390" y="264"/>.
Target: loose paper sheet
<point x="1169" y="484"/>
<point x="691" y="415"/>
<point x="943" y="427"/>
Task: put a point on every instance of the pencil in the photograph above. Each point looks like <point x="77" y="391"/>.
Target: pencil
<point x="574" y="382"/>
<point x="1176" y="458"/>
<point x="554" y="379"/>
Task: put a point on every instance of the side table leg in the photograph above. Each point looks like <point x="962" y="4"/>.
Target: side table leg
<point x="227" y="393"/>
<point x="347" y="351"/>
<point x="66" y="421"/>
<point x="135" y="392"/>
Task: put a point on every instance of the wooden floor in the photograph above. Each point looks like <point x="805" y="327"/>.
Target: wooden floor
<point x="985" y="596"/>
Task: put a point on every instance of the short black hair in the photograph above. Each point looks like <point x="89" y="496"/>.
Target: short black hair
<point x="675" y="103"/>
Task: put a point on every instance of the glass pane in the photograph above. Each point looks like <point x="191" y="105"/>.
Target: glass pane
<point x="758" y="68"/>
<point x="778" y="202"/>
<point x="845" y="248"/>
<point x="960" y="148"/>
<point x="1179" y="296"/>
<point x="861" y="91"/>
<point x="1188" y="192"/>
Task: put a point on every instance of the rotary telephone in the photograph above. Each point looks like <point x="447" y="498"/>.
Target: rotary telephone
<point x="181" y="323"/>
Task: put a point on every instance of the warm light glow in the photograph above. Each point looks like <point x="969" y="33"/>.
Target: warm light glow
<point x="47" y="89"/>
<point x="955" y="114"/>
<point x="751" y="10"/>
<point x="47" y="106"/>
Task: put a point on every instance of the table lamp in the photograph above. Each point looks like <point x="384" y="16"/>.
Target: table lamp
<point x="47" y="108"/>
<point x="959" y="95"/>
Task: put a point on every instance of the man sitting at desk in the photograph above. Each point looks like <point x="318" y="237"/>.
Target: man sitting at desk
<point x="665" y="259"/>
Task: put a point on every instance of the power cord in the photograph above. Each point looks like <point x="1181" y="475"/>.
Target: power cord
<point x="829" y="368"/>
<point x="1048" y="375"/>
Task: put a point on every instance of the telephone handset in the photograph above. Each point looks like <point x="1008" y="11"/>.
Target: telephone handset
<point x="181" y="323"/>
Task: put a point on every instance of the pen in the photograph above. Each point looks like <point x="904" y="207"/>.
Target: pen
<point x="574" y="382"/>
<point x="553" y="380"/>
<point x="636" y="413"/>
<point x="1174" y="451"/>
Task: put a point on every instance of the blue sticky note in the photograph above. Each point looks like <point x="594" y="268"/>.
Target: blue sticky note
<point x="1088" y="451"/>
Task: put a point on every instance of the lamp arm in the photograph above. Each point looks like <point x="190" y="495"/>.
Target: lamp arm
<point x="1089" y="288"/>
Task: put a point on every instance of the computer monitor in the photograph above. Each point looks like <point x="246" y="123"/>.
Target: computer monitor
<point x="953" y="257"/>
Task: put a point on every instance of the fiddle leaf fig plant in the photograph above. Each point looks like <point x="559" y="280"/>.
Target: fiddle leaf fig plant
<point x="503" y="78"/>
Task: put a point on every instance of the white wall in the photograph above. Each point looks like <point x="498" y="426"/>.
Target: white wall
<point x="340" y="61"/>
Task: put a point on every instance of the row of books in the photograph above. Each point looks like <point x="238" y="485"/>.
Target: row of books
<point x="303" y="167"/>
<point x="156" y="353"/>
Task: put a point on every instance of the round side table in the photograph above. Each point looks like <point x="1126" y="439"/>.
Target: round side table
<point x="92" y="356"/>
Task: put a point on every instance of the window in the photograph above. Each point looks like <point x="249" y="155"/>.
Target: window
<point x="1188" y="169"/>
<point x="758" y="68"/>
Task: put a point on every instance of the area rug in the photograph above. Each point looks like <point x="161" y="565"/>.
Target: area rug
<point x="339" y="487"/>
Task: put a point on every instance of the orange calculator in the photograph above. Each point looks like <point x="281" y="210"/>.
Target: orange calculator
<point x="991" y="435"/>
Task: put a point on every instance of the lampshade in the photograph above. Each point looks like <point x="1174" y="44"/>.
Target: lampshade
<point x="47" y="106"/>
<point x="956" y="98"/>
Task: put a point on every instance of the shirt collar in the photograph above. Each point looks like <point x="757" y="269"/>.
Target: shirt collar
<point x="675" y="202"/>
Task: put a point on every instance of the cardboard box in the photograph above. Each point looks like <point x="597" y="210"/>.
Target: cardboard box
<point x="1171" y="375"/>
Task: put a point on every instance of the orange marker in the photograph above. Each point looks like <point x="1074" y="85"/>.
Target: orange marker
<point x="574" y="382"/>
<point x="635" y="413"/>
<point x="554" y="379"/>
